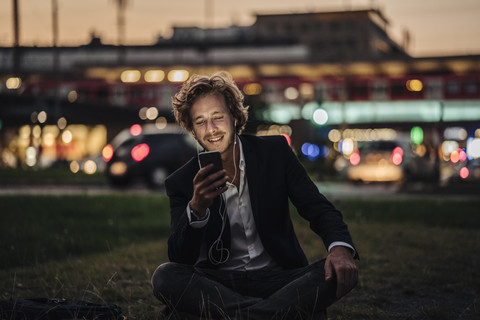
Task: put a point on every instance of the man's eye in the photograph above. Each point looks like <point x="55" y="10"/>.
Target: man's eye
<point x="218" y="118"/>
<point x="200" y="123"/>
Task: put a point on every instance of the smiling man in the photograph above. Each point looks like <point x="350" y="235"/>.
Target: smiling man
<point x="233" y="250"/>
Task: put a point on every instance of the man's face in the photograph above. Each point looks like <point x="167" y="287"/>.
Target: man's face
<point x="212" y="123"/>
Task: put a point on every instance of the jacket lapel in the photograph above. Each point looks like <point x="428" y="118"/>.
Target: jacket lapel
<point x="253" y="175"/>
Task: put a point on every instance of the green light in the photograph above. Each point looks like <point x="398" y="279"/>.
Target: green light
<point x="416" y="134"/>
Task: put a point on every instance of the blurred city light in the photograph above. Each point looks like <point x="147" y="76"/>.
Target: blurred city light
<point x="140" y="152"/>
<point x="455" y="133"/>
<point x="448" y="147"/>
<point x="397" y="156"/>
<point x="67" y="136"/>
<point x="89" y="167"/>
<point x="130" y="76"/>
<point x="62" y="123"/>
<point x="416" y="134"/>
<point x="414" y="85"/>
<point x="346" y="146"/>
<point x="107" y="152"/>
<point x="320" y="116"/>
<point x="355" y="158"/>
<point x="291" y="93"/>
<point x="252" y="89"/>
<point x="42" y="117"/>
<point x="13" y="83"/>
<point x="334" y="135"/>
<point x="31" y="156"/>
<point x="161" y="123"/>
<point x="74" y="166"/>
<point x="464" y="173"/>
<point x="473" y="148"/>
<point x="178" y="75"/>
<point x="152" y="113"/>
<point x="310" y="150"/>
<point x="154" y="76"/>
<point x="72" y="96"/>
<point x="135" y="130"/>
<point x="307" y="91"/>
<point x="142" y="113"/>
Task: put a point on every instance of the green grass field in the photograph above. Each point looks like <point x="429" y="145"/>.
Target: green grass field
<point x="419" y="258"/>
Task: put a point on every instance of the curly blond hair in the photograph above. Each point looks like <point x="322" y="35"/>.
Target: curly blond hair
<point x="199" y="86"/>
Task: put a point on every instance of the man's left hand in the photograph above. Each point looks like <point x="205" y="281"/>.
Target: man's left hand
<point x="340" y="262"/>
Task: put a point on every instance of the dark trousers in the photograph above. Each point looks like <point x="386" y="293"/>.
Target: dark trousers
<point x="299" y="293"/>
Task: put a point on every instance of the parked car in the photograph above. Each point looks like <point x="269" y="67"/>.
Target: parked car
<point x="149" y="156"/>
<point x="388" y="161"/>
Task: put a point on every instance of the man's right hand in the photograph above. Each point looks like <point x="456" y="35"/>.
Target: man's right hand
<point x="206" y="187"/>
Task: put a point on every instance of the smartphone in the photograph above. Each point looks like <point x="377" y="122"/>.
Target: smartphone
<point x="208" y="157"/>
<point x="214" y="157"/>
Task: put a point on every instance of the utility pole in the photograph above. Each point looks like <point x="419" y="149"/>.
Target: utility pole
<point x="16" y="41"/>
<point x="56" y="60"/>
<point x="121" y="6"/>
<point x="16" y="23"/>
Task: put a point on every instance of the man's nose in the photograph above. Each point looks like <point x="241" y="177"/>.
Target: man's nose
<point x="211" y="126"/>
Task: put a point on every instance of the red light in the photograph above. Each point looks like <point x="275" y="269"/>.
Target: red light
<point x="140" y="152"/>
<point x="107" y="153"/>
<point x="355" y="158"/>
<point x="462" y="155"/>
<point x="135" y="130"/>
<point x="398" y="150"/>
<point x="397" y="156"/>
<point x="464" y="173"/>
<point x="289" y="140"/>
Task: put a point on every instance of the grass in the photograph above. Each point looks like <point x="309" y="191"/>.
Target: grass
<point x="59" y="174"/>
<point x="419" y="258"/>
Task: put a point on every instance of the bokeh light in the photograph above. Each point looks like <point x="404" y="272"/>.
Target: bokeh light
<point x="135" y="130"/>
<point x="320" y="116"/>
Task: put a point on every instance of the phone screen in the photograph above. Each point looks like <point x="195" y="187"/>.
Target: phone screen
<point x="211" y="157"/>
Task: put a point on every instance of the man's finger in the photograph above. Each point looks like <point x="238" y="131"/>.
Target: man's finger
<point x="328" y="270"/>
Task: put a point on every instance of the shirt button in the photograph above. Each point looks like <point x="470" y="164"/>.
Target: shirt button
<point x="251" y="247"/>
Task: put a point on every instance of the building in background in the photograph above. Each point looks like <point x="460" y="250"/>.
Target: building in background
<point x="304" y="75"/>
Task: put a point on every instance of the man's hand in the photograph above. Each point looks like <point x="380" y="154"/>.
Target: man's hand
<point x="340" y="262"/>
<point x="206" y="187"/>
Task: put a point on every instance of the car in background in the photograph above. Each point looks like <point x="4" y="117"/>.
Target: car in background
<point x="149" y="156"/>
<point x="388" y="161"/>
<point x="468" y="170"/>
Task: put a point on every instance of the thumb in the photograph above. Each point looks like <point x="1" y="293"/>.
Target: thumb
<point x="328" y="269"/>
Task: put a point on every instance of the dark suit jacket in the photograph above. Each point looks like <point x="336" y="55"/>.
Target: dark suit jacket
<point x="274" y="176"/>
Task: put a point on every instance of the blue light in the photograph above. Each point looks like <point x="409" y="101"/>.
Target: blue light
<point x="311" y="151"/>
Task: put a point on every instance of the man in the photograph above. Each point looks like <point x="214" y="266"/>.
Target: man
<point x="233" y="250"/>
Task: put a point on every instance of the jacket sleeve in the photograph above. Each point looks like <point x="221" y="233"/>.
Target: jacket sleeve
<point x="325" y="220"/>
<point x="184" y="242"/>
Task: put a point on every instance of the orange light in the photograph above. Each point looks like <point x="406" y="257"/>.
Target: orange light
<point x="454" y="156"/>
<point x="140" y="152"/>
<point x="355" y="158"/>
<point x="107" y="153"/>
<point x="464" y="173"/>
<point x="135" y="130"/>
<point x="414" y="85"/>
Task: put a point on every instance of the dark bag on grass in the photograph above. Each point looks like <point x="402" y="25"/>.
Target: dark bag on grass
<point x="54" y="309"/>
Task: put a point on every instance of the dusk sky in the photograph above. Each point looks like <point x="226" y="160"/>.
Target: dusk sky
<point x="437" y="27"/>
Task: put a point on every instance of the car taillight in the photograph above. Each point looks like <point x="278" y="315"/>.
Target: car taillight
<point x="355" y="158"/>
<point x="140" y="152"/>
<point x="107" y="153"/>
<point x="397" y="156"/>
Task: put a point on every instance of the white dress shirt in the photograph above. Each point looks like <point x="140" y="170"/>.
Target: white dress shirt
<point x="246" y="249"/>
